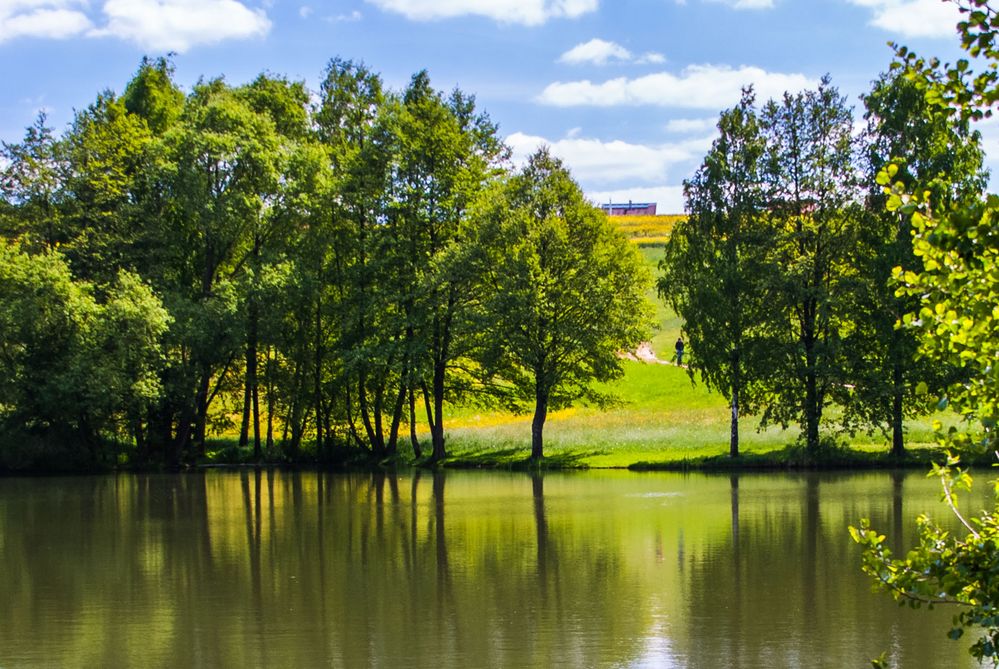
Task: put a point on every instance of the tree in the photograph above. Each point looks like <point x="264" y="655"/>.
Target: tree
<point x="958" y="324"/>
<point x="813" y="203"/>
<point x="106" y="159"/>
<point x="31" y="182"/>
<point x="446" y="153"/>
<point x="712" y="271"/>
<point x="218" y="165"/>
<point x="152" y="95"/>
<point x="563" y="291"/>
<point x="935" y="154"/>
<point x="74" y="370"/>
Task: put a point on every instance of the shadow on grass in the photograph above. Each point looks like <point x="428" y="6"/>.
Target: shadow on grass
<point x="798" y="457"/>
<point x="514" y="459"/>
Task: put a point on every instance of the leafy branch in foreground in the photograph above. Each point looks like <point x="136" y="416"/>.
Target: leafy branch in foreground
<point x="958" y="325"/>
<point x="944" y="568"/>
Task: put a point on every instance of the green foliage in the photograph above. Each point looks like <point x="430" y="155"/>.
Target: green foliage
<point x="152" y="96"/>
<point x="957" y="245"/>
<point x="31" y="185"/>
<point x="715" y="269"/>
<point x="564" y="291"/>
<point x="932" y="153"/>
<point x="73" y="369"/>
<point x="944" y="569"/>
<point x="758" y="271"/>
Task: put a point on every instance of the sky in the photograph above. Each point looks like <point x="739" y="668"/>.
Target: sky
<point x="626" y="92"/>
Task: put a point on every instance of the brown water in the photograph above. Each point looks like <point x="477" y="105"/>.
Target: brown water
<point x="463" y="569"/>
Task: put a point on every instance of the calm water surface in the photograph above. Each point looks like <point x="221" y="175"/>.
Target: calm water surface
<point x="462" y="569"/>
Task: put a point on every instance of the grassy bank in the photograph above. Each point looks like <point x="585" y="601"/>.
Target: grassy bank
<point x="661" y="421"/>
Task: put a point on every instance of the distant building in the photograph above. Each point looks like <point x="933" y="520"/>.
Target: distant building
<point x="630" y="208"/>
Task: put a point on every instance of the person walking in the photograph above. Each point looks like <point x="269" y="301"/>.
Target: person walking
<point x="679" y="351"/>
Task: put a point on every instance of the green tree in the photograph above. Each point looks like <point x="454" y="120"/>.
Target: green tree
<point x="935" y="154"/>
<point x="714" y="268"/>
<point x="218" y="166"/>
<point x="446" y="153"/>
<point x="31" y="181"/>
<point x="958" y="246"/>
<point x="153" y="96"/>
<point x="106" y="156"/>
<point x="812" y="198"/>
<point x="74" y="370"/>
<point x="563" y="291"/>
<point x="285" y="103"/>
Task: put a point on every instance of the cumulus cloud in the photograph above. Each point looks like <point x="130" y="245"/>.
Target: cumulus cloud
<point x="913" y="18"/>
<point x="178" y="25"/>
<point x="690" y="125"/>
<point x="601" y="52"/>
<point x="696" y="87"/>
<point x="525" y="12"/>
<point x="157" y="25"/>
<point x="54" y="19"/>
<point x="594" y="160"/>
<point x="596" y="51"/>
<point x="641" y="171"/>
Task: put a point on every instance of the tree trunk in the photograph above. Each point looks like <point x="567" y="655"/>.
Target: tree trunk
<point x="400" y="402"/>
<point x="270" y="399"/>
<point x="251" y="377"/>
<point x="898" y="396"/>
<point x="362" y="402"/>
<point x="244" y="424"/>
<point x="538" y="424"/>
<point x="733" y="439"/>
<point x="201" y="426"/>
<point x="417" y="453"/>
<point x="318" y="380"/>
<point x="437" y="429"/>
<point x="813" y="412"/>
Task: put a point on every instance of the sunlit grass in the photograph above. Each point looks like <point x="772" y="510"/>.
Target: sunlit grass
<point x="661" y="417"/>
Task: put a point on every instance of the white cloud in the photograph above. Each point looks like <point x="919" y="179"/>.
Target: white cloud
<point x="651" y="57"/>
<point x="344" y="18"/>
<point x="601" y="52"/>
<point x="593" y="160"/>
<point x="158" y="25"/>
<point x="178" y="25"/>
<point x="52" y="19"/>
<point x="596" y="51"/>
<point x="749" y="4"/>
<point x="305" y="11"/>
<point x="668" y="199"/>
<point x="525" y="12"/>
<point x="689" y="125"/>
<point x="696" y="87"/>
<point x="914" y="18"/>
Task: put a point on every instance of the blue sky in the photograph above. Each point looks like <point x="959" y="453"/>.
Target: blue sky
<point x="625" y="91"/>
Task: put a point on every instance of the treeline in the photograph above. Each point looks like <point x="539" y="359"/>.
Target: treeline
<point x="783" y="271"/>
<point x="317" y="270"/>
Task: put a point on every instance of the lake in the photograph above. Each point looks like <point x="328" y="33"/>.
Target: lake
<point x="253" y="568"/>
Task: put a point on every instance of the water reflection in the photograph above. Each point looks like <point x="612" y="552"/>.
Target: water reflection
<point x="259" y="568"/>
